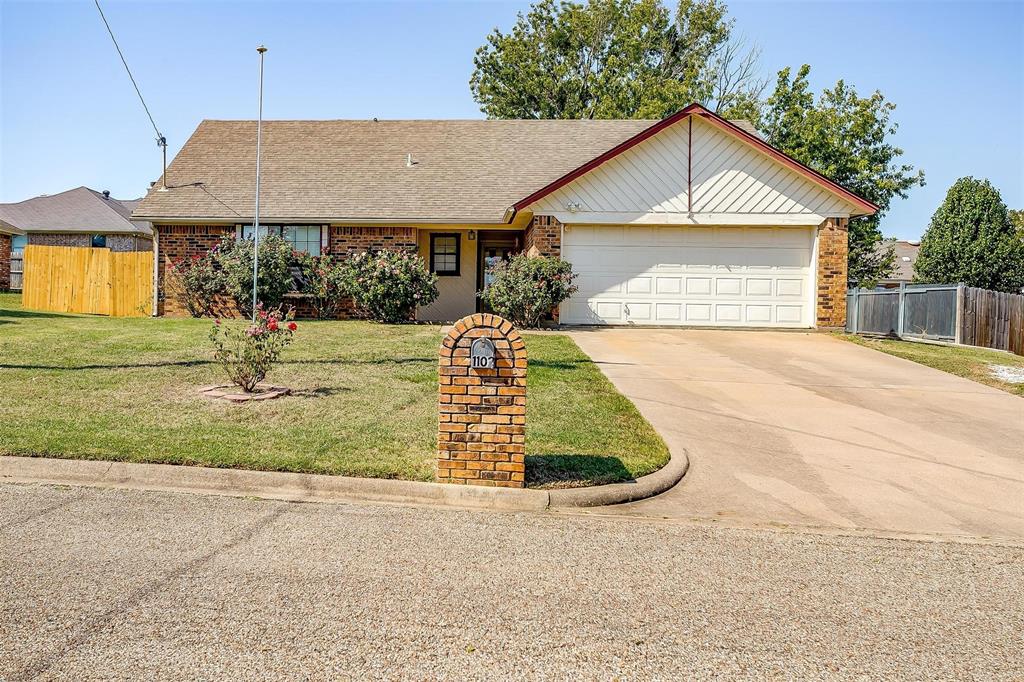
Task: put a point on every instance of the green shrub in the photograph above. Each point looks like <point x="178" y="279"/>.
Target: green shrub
<point x="389" y="285"/>
<point x="248" y="352"/>
<point x="324" y="281"/>
<point x="275" y="275"/>
<point x="197" y="281"/>
<point x="526" y="289"/>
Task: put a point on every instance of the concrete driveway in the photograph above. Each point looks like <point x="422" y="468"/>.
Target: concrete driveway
<point x="803" y="428"/>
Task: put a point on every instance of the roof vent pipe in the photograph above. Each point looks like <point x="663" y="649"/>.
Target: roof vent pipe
<point x="106" y="194"/>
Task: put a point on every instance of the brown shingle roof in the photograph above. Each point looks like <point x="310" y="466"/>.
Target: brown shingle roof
<point x="906" y="254"/>
<point x="76" y="210"/>
<point x="464" y="171"/>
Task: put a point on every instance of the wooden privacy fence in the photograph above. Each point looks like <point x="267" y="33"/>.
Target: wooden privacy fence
<point x="944" y="312"/>
<point x="71" y="279"/>
<point x="993" y="319"/>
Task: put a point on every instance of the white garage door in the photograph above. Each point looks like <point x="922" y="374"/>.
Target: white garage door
<point x="721" y="276"/>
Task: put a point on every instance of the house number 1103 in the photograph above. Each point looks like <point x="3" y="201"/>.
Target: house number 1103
<point x="481" y="354"/>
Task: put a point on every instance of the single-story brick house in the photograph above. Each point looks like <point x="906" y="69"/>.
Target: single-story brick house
<point x="80" y="217"/>
<point x="692" y="220"/>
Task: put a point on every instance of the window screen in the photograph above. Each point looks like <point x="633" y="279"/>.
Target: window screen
<point x="444" y="254"/>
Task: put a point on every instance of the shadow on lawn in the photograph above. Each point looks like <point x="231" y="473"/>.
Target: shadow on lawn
<point x="24" y="314"/>
<point x="569" y="471"/>
<point x="200" y="363"/>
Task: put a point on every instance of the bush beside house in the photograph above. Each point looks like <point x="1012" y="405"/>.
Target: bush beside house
<point x="527" y="289"/>
<point x="389" y="285"/>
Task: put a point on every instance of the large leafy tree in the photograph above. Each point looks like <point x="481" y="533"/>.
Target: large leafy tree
<point x="971" y="239"/>
<point x="1017" y="218"/>
<point x="615" y="59"/>
<point x="846" y="138"/>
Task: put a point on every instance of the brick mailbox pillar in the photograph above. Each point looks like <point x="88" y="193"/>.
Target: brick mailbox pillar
<point x="481" y="436"/>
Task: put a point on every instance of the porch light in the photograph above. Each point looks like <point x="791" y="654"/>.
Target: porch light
<point x="472" y="235"/>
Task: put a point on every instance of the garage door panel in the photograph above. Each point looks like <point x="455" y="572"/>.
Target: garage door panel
<point x="684" y="275"/>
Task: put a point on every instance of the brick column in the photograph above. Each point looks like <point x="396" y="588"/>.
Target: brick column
<point x="543" y="237"/>
<point x="833" y="249"/>
<point x="481" y="437"/>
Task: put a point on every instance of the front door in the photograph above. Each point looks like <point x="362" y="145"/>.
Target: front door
<point x="494" y="248"/>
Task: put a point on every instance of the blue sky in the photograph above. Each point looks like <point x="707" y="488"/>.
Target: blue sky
<point x="68" y="114"/>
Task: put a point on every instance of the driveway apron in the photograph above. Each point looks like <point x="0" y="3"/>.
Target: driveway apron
<point x="786" y="428"/>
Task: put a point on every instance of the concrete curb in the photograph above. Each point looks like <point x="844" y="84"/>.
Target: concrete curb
<point x="619" y="493"/>
<point x="265" y="484"/>
<point x="320" y="488"/>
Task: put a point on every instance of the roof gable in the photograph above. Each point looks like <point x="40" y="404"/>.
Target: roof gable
<point x="695" y="163"/>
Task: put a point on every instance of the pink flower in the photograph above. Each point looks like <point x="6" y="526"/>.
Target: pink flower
<point x="217" y="322"/>
<point x="272" y="326"/>
<point x="292" y="326"/>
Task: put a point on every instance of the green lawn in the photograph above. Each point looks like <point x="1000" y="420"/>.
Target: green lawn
<point x="970" y="363"/>
<point x="364" y="401"/>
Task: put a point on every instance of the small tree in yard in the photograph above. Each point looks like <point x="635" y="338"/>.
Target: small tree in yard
<point x="324" y="281"/>
<point x="198" y="281"/>
<point x="248" y="352"/>
<point x="526" y="289"/>
<point x="971" y="239"/>
<point x="389" y="285"/>
<point x="275" y="276"/>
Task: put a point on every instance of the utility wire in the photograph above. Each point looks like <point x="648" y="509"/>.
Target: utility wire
<point x="159" y="136"/>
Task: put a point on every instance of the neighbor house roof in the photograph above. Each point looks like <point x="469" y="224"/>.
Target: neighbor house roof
<point x="906" y="254"/>
<point x="76" y="210"/>
<point x="7" y="228"/>
<point x="460" y="171"/>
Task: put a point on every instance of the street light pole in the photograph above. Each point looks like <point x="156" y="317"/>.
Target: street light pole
<point x="256" y="220"/>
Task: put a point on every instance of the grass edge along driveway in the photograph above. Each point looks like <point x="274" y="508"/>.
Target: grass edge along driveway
<point x="364" y="403"/>
<point x="968" y="362"/>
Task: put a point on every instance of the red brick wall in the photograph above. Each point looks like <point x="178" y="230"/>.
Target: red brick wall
<point x="115" y="242"/>
<point x="184" y="241"/>
<point x="543" y="237"/>
<point x="345" y="239"/>
<point x="60" y="239"/>
<point x="5" y="262"/>
<point x="833" y="249"/>
<point x="481" y="437"/>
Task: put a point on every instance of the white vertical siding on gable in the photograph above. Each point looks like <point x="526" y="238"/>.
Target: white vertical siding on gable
<point x="729" y="176"/>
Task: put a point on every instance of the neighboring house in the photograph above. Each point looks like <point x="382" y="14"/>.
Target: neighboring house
<point x="692" y="220"/>
<point x="8" y="234"/>
<point x="906" y="254"/>
<point x="80" y="217"/>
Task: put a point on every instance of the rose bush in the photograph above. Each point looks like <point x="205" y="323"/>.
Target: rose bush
<point x="526" y="289"/>
<point x="389" y="285"/>
<point x="324" y="281"/>
<point x="248" y="352"/>
<point x="198" y="280"/>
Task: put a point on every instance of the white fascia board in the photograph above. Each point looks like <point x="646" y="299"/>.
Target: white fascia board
<point x="591" y="218"/>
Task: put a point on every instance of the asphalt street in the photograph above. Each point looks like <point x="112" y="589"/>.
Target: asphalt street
<point x="117" y="584"/>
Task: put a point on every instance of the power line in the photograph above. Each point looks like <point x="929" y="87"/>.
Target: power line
<point x="159" y="135"/>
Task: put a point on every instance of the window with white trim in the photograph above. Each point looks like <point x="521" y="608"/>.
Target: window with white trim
<point x="304" y="238"/>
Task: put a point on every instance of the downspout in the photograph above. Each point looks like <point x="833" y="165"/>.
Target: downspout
<point x="156" y="271"/>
